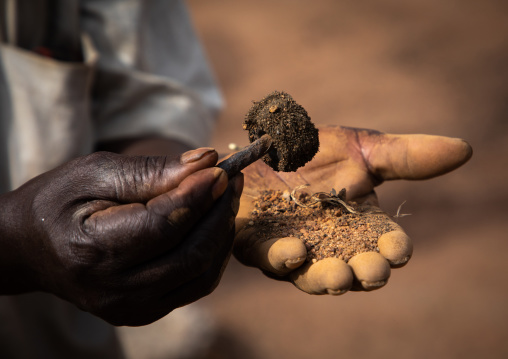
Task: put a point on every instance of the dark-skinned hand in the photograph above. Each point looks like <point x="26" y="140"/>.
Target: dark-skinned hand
<point x="358" y="160"/>
<point x="126" y="238"/>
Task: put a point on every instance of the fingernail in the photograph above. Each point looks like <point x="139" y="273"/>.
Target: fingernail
<point x="294" y="263"/>
<point x="221" y="182"/>
<point x="336" y="291"/>
<point x="195" y="155"/>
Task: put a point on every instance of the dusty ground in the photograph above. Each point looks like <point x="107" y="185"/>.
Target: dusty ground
<point x="438" y="67"/>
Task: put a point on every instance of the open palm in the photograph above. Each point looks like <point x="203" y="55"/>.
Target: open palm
<point x="358" y="160"/>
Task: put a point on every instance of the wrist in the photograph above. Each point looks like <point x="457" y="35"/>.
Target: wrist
<point x="16" y="272"/>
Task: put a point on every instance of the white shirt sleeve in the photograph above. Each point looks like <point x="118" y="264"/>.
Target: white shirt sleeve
<point x="152" y="76"/>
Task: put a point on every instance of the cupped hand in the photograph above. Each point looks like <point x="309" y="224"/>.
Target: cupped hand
<point x="128" y="238"/>
<point x="357" y="160"/>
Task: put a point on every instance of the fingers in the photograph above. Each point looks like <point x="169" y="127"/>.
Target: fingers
<point x="193" y="269"/>
<point x="327" y="276"/>
<point x="135" y="233"/>
<point x="181" y="275"/>
<point x="396" y="247"/>
<point x="128" y="179"/>
<point x="412" y="157"/>
<point x="370" y="269"/>
<point x="208" y="238"/>
<point x="276" y="256"/>
<point x="364" y="271"/>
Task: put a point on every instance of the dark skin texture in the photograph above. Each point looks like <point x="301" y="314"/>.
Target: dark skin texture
<point x="126" y="238"/>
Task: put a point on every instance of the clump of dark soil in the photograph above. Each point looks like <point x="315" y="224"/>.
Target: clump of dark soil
<point x="329" y="226"/>
<point x="295" y="138"/>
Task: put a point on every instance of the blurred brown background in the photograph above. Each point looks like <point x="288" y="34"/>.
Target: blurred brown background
<point x="437" y="67"/>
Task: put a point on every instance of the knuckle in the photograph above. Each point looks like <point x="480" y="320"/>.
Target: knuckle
<point x="180" y="216"/>
<point x="96" y="163"/>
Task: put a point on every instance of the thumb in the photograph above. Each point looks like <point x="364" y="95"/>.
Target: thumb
<point x="129" y="179"/>
<point x="413" y="157"/>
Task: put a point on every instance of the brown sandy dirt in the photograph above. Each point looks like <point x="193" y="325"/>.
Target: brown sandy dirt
<point x="329" y="226"/>
<point x="438" y="67"/>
